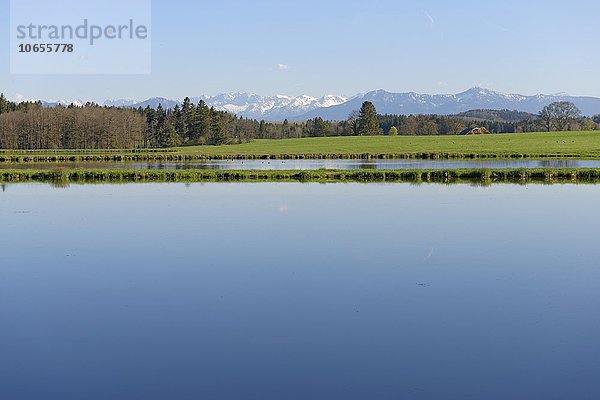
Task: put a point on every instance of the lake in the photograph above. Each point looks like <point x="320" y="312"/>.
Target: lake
<point x="299" y="291"/>
<point x="405" y="164"/>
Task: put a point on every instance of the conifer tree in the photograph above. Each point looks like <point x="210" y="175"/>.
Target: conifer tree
<point x="161" y="117"/>
<point x="3" y="104"/>
<point x="262" y="129"/>
<point x="178" y="121"/>
<point x="168" y="137"/>
<point x="217" y="137"/>
<point x="368" y="123"/>
<point x="285" y="128"/>
<point x="202" y="123"/>
<point x="189" y="118"/>
<point x="318" y="127"/>
<point x="150" y="133"/>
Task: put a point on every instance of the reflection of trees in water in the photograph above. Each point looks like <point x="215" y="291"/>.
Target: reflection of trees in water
<point x="366" y="164"/>
<point x="559" y="163"/>
<point x="185" y="165"/>
<point x="216" y="166"/>
<point x="3" y="187"/>
<point x="60" y="185"/>
<point x="484" y="184"/>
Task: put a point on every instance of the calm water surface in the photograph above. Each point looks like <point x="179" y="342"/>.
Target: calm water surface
<point x="317" y="164"/>
<point x="299" y="291"/>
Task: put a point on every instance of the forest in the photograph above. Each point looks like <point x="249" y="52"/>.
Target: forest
<point x="31" y="126"/>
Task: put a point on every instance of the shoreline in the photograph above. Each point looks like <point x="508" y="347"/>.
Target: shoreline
<point x="175" y="157"/>
<point x="480" y="176"/>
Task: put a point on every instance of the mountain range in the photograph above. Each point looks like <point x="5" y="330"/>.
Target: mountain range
<point x="248" y="105"/>
<point x="451" y="104"/>
<point x="331" y="107"/>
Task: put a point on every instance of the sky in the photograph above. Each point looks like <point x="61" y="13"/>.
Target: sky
<point x="344" y="47"/>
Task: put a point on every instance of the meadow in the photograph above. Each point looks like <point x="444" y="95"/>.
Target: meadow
<point x="525" y="145"/>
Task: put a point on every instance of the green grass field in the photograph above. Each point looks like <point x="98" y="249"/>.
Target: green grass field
<point x="555" y="144"/>
<point x="544" y="144"/>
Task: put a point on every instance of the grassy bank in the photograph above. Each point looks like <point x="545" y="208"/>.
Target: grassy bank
<point x="446" y="176"/>
<point x="528" y="145"/>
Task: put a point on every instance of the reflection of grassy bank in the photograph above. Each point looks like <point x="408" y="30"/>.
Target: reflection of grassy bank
<point x="529" y="145"/>
<point x="446" y="176"/>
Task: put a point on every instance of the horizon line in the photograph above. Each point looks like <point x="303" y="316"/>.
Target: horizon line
<point x="18" y="98"/>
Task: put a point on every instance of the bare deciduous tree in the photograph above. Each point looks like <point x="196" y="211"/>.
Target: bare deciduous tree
<point x="559" y="114"/>
<point x="353" y="119"/>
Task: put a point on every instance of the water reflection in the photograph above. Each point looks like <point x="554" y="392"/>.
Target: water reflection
<point x="317" y="164"/>
<point x="299" y="291"/>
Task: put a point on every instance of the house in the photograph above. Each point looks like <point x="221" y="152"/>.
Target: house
<point x="474" y="131"/>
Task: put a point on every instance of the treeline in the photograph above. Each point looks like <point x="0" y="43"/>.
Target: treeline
<point x="31" y="126"/>
<point x="6" y="105"/>
<point x="498" y="115"/>
<point x="502" y="121"/>
<point x="428" y="125"/>
<point x="200" y="125"/>
<point x="186" y="125"/>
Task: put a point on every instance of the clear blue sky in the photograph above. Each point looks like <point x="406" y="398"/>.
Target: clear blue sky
<point x="345" y="47"/>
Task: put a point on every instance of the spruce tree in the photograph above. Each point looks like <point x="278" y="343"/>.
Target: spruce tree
<point x="202" y="123"/>
<point x="217" y="137"/>
<point x="285" y="128"/>
<point x="189" y="118"/>
<point x="178" y="121"/>
<point x="368" y="122"/>
<point x="161" y="117"/>
<point x="168" y="137"/>
<point x="319" y="127"/>
<point x="150" y="133"/>
<point x="262" y="129"/>
<point x="3" y="104"/>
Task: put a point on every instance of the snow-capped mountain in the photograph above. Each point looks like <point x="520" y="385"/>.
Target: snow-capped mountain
<point x="249" y="105"/>
<point x="272" y="108"/>
<point x="155" y="102"/>
<point x="120" y="103"/>
<point x="301" y="108"/>
<point x="63" y="102"/>
<point x="449" y="104"/>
